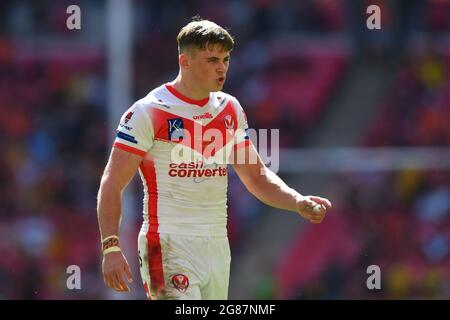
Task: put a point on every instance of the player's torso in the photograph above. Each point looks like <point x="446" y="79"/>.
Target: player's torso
<point x="185" y="171"/>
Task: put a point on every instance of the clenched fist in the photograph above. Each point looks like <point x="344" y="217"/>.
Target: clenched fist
<point x="313" y="208"/>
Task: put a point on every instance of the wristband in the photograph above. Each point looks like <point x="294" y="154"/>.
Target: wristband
<point x="111" y="249"/>
<point x="110" y="237"/>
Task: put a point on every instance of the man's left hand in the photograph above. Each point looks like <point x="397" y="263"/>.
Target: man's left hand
<point x="313" y="208"/>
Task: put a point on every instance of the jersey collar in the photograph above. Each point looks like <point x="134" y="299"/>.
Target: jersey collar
<point x="179" y="95"/>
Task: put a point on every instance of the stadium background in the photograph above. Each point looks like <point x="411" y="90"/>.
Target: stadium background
<point x="311" y="68"/>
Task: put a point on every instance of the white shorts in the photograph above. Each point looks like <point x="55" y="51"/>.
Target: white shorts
<point x="184" y="267"/>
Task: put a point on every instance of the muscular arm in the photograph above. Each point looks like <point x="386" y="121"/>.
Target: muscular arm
<point x="270" y="189"/>
<point x="119" y="171"/>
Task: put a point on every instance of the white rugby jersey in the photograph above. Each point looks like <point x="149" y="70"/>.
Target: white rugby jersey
<point x="186" y="146"/>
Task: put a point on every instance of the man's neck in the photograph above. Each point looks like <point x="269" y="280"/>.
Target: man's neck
<point x="183" y="87"/>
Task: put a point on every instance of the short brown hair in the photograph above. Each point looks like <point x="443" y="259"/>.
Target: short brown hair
<point x="199" y="33"/>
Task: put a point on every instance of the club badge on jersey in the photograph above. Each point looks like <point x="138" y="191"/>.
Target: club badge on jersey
<point x="176" y="129"/>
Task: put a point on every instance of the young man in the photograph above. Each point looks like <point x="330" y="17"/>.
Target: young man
<point x="183" y="246"/>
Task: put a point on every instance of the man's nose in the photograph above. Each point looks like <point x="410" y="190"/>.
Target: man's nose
<point x="222" y="68"/>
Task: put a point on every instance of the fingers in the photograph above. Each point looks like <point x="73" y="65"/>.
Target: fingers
<point x="115" y="281"/>
<point x="308" y="203"/>
<point x="319" y="208"/>
<point x="107" y="280"/>
<point x="116" y="275"/>
<point x="317" y="218"/>
<point x="313" y="216"/>
<point x="120" y="282"/>
<point x="323" y="201"/>
<point x="112" y="281"/>
<point x="128" y="273"/>
<point x="314" y="208"/>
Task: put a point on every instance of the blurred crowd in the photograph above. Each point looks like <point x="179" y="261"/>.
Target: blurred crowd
<point x="399" y="221"/>
<point x="55" y="142"/>
<point x="53" y="137"/>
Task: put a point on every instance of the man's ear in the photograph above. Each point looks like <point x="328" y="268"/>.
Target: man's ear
<point x="183" y="60"/>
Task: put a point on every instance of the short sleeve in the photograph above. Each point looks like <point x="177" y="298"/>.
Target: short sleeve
<point x="135" y="131"/>
<point x="241" y="136"/>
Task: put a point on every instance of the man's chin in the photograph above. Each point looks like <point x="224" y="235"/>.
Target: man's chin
<point x="217" y="87"/>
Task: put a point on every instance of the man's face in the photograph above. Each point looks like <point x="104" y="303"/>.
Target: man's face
<point x="208" y="68"/>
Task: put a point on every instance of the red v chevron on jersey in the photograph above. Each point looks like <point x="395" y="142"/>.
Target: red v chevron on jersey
<point x="180" y="128"/>
<point x="207" y="139"/>
<point x="183" y="158"/>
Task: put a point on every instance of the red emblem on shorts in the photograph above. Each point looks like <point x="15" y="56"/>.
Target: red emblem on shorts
<point x="180" y="282"/>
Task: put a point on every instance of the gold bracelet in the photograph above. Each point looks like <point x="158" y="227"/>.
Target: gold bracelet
<point x="109" y="242"/>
